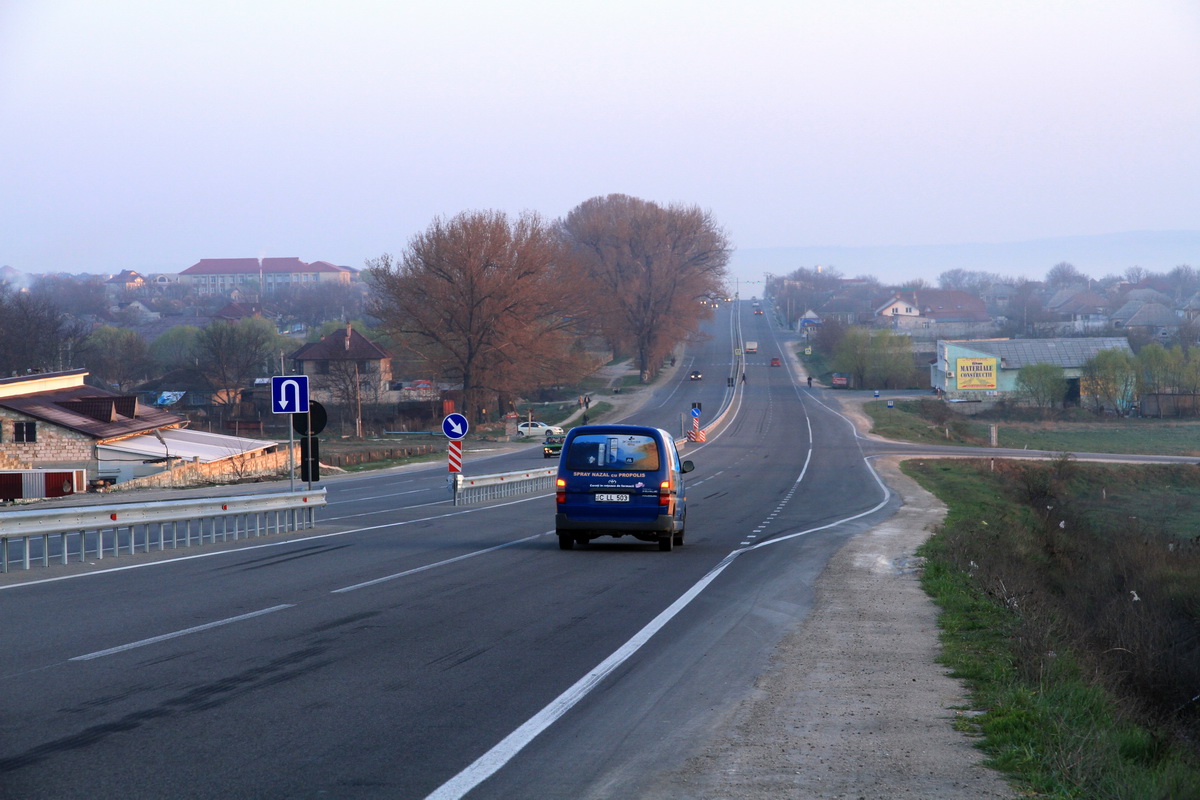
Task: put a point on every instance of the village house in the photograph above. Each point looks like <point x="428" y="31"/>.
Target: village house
<point x="346" y="368"/>
<point x="982" y="372"/>
<point x="934" y="314"/>
<point x="223" y="275"/>
<point x="56" y="421"/>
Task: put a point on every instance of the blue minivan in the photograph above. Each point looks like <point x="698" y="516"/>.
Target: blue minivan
<point x="617" y="480"/>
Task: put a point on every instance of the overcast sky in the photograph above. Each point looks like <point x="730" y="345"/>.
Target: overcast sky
<point x="148" y="135"/>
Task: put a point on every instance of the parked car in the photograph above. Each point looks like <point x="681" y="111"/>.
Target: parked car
<point x="538" y="429"/>
<point x="695" y="375"/>
<point x="775" y="362"/>
<point x="553" y="444"/>
<point x="620" y="480"/>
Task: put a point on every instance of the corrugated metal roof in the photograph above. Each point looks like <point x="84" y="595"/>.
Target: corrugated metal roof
<point x="188" y="445"/>
<point x="95" y="412"/>
<point x="1072" y="353"/>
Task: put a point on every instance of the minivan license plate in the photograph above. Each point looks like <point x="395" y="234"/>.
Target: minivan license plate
<point x="612" y="498"/>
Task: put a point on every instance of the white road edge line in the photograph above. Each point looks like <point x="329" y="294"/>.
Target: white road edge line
<point x="491" y="761"/>
<point x="153" y="639"/>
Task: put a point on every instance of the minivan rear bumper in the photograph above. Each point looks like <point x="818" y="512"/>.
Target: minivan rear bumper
<point x="661" y="523"/>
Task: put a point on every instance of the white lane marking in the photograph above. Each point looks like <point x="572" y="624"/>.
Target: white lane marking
<point x="887" y="494"/>
<point x="153" y="639"/>
<point x="491" y="761"/>
<point x="268" y="544"/>
<point x="415" y="570"/>
<point x="383" y="496"/>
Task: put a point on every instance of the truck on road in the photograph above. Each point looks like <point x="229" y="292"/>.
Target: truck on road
<point x="751" y="347"/>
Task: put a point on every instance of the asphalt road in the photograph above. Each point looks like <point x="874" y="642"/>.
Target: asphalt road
<point x="411" y="649"/>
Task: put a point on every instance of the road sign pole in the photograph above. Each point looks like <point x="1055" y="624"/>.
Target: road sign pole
<point x="308" y="417"/>
<point x="291" y="459"/>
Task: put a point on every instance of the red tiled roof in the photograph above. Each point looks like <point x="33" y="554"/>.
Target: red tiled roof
<point x="247" y="266"/>
<point x="333" y="348"/>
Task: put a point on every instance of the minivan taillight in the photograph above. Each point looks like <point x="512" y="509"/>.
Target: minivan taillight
<point x="664" y="493"/>
<point x="560" y="494"/>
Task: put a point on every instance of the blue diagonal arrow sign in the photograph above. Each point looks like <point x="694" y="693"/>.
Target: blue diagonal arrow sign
<point x="289" y="394"/>
<point x="455" y="426"/>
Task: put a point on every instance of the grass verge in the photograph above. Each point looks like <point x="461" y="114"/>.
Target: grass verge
<point x="1082" y="643"/>
<point x="930" y="421"/>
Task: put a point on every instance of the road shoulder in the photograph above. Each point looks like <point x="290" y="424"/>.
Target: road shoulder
<point x="854" y="703"/>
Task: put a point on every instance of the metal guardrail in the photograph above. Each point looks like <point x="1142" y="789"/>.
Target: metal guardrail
<point x="480" y="488"/>
<point x="63" y="534"/>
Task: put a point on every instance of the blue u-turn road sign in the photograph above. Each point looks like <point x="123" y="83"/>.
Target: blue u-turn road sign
<point x="289" y="394"/>
<point x="455" y="426"/>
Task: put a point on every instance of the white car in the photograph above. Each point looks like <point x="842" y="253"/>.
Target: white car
<point x="538" y="429"/>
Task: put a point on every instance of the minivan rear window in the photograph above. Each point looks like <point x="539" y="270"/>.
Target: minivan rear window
<point x="613" y="451"/>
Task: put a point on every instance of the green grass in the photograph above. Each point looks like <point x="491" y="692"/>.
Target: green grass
<point x="904" y="422"/>
<point x="1059" y="718"/>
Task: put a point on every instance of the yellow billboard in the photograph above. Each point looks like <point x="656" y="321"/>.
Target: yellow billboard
<point x="975" y="373"/>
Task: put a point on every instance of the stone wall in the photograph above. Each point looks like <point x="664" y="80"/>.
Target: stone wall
<point x="266" y="464"/>
<point x="55" y="446"/>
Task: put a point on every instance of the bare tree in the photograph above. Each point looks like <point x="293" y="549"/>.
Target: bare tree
<point x="231" y="354"/>
<point x="965" y="280"/>
<point x="36" y="334"/>
<point x="1183" y="281"/>
<point x="484" y="299"/>
<point x="1064" y="275"/>
<point x="77" y="296"/>
<point x="1135" y="275"/>
<point x="647" y="266"/>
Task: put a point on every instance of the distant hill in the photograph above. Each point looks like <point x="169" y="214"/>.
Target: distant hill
<point x="1095" y="256"/>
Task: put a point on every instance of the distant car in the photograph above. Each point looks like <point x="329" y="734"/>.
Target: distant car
<point x="552" y="446"/>
<point x="538" y="429"/>
<point x="695" y="375"/>
<point x="758" y="311"/>
<point x="775" y="362"/>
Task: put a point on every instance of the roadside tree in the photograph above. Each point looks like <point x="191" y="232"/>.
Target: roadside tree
<point x="486" y="300"/>
<point x="1109" y="379"/>
<point x="645" y="269"/>
<point x="1043" y="385"/>
<point x="232" y="354"/>
<point x="874" y="359"/>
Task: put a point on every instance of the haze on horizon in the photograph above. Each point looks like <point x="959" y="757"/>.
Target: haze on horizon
<point x="145" y="135"/>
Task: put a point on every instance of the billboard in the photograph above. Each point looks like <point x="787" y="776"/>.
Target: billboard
<point x="975" y="373"/>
